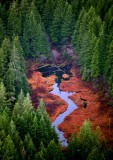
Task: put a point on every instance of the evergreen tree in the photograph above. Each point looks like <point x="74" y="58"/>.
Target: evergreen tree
<point x="109" y="19"/>
<point x="109" y="66"/>
<point x="23" y="115"/>
<point x="75" y="38"/>
<point x="18" y="108"/>
<point x="28" y="112"/>
<point x="16" y="78"/>
<point x="33" y="9"/>
<point x="67" y="24"/>
<point x="43" y="45"/>
<point x="2" y="63"/>
<point x="47" y="15"/>
<point x="34" y="131"/>
<point x="17" y="115"/>
<point x="22" y="150"/>
<point x="4" y="120"/>
<point x="2" y="139"/>
<point x="87" y="138"/>
<point x="76" y="8"/>
<point x="34" y="38"/>
<point x="85" y="144"/>
<point x="44" y="132"/>
<point x="42" y="154"/>
<point x="95" y="62"/>
<point x="88" y="28"/>
<point x="84" y="74"/>
<point x="6" y="47"/>
<point x="4" y="58"/>
<point x="14" y="20"/>
<point x="1" y="148"/>
<point x="99" y="55"/>
<point x="73" y="147"/>
<point x="3" y="14"/>
<point x="16" y="139"/>
<point x="10" y="87"/>
<point x="57" y="23"/>
<point x="100" y="8"/>
<point x="41" y="107"/>
<point x="109" y="59"/>
<point x="10" y="151"/>
<point x="54" y="152"/>
<point x="40" y="5"/>
<point x="24" y="7"/>
<point x="2" y="96"/>
<point x="14" y="135"/>
<point x="29" y="147"/>
<point x="47" y="132"/>
<point x="96" y="154"/>
<point x="44" y="123"/>
<point x="111" y="83"/>
<point x="2" y="31"/>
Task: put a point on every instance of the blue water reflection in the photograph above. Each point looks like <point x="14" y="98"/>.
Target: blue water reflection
<point x="60" y="118"/>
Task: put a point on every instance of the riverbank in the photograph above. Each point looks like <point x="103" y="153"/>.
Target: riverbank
<point x="40" y="88"/>
<point x="91" y="105"/>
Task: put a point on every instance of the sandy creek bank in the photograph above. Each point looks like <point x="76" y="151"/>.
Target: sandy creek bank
<point x="90" y="105"/>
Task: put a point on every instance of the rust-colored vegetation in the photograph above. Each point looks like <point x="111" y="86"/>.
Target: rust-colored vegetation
<point x="40" y="88"/>
<point x="65" y="76"/>
<point x="90" y="106"/>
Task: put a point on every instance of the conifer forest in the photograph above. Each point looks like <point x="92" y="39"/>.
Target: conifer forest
<point x="56" y="80"/>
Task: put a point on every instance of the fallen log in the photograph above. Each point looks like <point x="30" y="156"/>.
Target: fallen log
<point x="43" y="66"/>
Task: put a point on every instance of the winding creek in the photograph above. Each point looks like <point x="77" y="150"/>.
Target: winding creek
<point x="47" y="71"/>
<point x="60" y="118"/>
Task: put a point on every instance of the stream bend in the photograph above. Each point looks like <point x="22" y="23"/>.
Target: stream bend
<point x="71" y="107"/>
<point x="48" y="70"/>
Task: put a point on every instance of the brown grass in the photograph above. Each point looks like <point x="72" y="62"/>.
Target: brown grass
<point x="97" y="110"/>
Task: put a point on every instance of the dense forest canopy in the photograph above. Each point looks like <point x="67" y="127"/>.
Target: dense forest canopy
<point x="28" y="29"/>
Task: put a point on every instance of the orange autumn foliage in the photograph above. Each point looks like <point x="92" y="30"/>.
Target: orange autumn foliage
<point x="97" y="111"/>
<point x="40" y="88"/>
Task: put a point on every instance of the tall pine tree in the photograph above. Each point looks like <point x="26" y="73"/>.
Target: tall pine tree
<point x="14" y="20"/>
<point x="34" y="37"/>
<point x="10" y="151"/>
<point x="2" y="31"/>
<point x="66" y="30"/>
<point x="16" y="78"/>
<point x="57" y="23"/>
<point x="47" y="15"/>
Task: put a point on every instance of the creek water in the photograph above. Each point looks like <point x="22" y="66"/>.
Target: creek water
<point x="47" y="71"/>
<point x="60" y="118"/>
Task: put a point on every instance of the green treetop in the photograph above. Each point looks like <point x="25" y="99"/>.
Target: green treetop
<point x="5" y="52"/>
<point x="16" y="78"/>
<point x="34" y="37"/>
<point x="2" y="96"/>
<point x="2" y="31"/>
<point x="53" y="151"/>
<point x="109" y="67"/>
<point x="14" y="20"/>
<point x="67" y="23"/>
<point x="10" y="151"/>
<point x="57" y="23"/>
<point x="47" y="15"/>
<point x="29" y="147"/>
